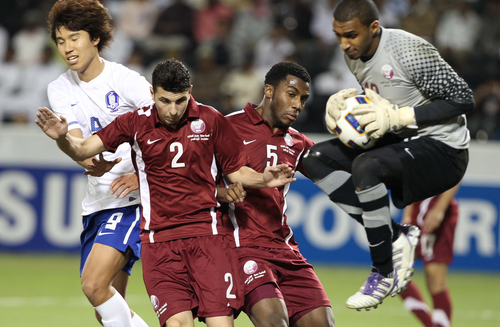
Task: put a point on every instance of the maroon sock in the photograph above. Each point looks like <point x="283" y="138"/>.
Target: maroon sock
<point x="414" y="302"/>
<point x="442" y="309"/>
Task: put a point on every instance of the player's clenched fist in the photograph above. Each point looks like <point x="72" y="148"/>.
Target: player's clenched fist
<point x="335" y="104"/>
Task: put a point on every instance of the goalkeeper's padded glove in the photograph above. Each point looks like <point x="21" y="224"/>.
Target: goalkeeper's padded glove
<point x="335" y="104"/>
<point x="380" y="116"/>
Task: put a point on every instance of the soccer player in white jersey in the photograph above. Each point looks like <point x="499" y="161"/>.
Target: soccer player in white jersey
<point x="90" y="95"/>
<point x="417" y="115"/>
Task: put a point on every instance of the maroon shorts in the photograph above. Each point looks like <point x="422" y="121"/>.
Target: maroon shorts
<point x="294" y="278"/>
<point x="437" y="246"/>
<point x="198" y="274"/>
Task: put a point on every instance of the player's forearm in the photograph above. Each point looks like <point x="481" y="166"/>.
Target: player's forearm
<point x="248" y="177"/>
<point x="441" y="109"/>
<point x="445" y="199"/>
<point x="73" y="147"/>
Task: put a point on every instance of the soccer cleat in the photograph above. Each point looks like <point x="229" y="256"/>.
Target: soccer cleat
<point x="375" y="289"/>
<point x="403" y="254"/>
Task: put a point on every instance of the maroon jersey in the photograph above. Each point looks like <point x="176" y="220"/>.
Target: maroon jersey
<point x="177" y="168"/>
<point x="260" y="219"/>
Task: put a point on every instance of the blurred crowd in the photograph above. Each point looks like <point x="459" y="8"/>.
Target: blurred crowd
<point x="229" y="45"/>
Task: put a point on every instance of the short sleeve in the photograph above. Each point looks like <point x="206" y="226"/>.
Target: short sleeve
<point x="136" y="89"/>
<point x="121" y="130"/>
<point x="229" y="150"/>
<point x="61" y="105"/>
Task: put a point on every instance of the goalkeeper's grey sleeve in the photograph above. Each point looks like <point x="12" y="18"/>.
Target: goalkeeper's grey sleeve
<point x="436" y="79"/>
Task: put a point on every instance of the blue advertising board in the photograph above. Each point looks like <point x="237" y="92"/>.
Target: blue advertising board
<point x="40" y="210"/>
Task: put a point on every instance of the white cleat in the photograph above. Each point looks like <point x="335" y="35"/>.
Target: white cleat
<point x="375" y="289"/>
<point x="403" y="254"/>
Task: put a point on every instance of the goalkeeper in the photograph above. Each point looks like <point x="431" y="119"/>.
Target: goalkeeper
<point x="417" y="115"/>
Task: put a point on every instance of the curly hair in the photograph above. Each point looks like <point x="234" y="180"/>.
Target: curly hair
<point x="365" y="10"/>
<point x="87" y="15"/>
<point x="281" y="70"/>
<point x="172" y="76"/>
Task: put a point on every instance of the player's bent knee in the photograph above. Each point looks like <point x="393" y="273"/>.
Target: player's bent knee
<point x="368" y="170"/>
<point x="318" y="165"/>
<point x="174" y="322"/>
<point x="94" y="289"/>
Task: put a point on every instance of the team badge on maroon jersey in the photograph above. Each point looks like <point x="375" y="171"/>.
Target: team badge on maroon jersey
<point x="155" y="302"/>
<point x="198" y="126"/>
<point x="289" y="140"/>
<point x="250" y="267"/>
<point x="387" y="71"/>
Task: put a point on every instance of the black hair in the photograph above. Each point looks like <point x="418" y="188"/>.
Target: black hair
<point x="87" y="15"/>
<point x="365" y="10"/>
<point x="172" y="76"/>
<point x="279" y="72"/>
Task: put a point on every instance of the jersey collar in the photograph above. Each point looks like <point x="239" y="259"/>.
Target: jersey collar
<point x="257" y="119"/>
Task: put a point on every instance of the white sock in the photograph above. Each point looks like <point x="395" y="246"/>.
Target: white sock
<point x="115" y="312"/>
<point x="137" y="321"/>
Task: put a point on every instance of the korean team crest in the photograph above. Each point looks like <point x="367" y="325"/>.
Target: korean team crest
<point x="112" y="101"/>
<point x="289" y="140"/>
<point x="250" y="267"/>
<point x="198" y="126"/>
<point x="387" y="71"/>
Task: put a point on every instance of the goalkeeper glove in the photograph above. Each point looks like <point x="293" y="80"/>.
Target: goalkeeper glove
<point x="335" y="104"/>
<point x="380" y="116"/>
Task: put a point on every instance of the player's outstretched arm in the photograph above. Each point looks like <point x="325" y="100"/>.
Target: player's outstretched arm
<point x="57" y="129"/>
<point x="274" y="176"/>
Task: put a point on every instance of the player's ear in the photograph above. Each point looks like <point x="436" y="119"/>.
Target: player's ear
<point x="190" y="89"/>
<point x="269" y="91"/>
<point x="374" y="27"/>
<point x="152" y="92"/>
<point x="96" y="41"/>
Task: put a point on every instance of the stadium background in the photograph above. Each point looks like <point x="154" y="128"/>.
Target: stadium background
<point x="41" y="189"/>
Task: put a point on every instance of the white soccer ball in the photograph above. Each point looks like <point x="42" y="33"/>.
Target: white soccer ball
<point x="348" y="129"/>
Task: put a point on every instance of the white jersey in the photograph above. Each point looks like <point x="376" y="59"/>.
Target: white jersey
<point x="408" y="71"/>
<point x="92" y="106"/>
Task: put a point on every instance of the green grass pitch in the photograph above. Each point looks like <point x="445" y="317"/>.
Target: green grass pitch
<point x="44" y="290"/>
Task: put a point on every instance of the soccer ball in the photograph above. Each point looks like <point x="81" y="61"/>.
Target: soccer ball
<point x="348" y="129"/>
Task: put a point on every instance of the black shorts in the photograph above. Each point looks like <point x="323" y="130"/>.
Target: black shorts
<point x="430" y="167"/>
<point x="424" y="166"/>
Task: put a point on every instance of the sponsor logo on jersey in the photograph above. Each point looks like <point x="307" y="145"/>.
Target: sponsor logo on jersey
<point x="250" y="267"/>
<point x="387" y="71"/>
<point x="245" y="142"/>
<point x="151" y="142"/>
<point x="112" y="101"/>
<point x="198" y="126"/>
<point x="289" y="140"/>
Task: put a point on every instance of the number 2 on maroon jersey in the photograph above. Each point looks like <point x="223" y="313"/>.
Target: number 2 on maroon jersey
<point x="180" y="150"/>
